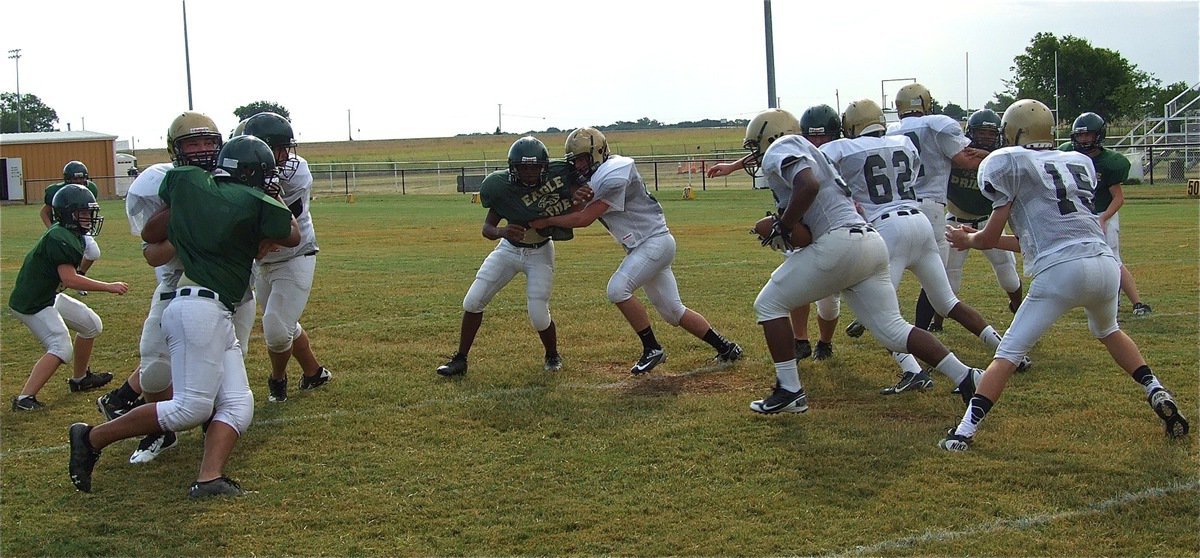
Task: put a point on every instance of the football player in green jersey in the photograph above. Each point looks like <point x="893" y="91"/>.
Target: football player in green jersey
<point x="1112" y="169"/>
<point x="48" y="313"/>
<point x="216" y="229"/>
<point x="74" y="172"/>
<point x="532" y="187"/>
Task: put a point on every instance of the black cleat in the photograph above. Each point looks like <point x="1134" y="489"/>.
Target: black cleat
<point x="909" y="381"/>
<point x="553" y="363"/>
<point x="456" y="367"/>
<point x="824" y="351"/>
<point x="317" y="380"/>
<point x="803" y="349"/>
<point x="220" y="486"/>
<point x="1142" y="310"/>
<point x="89" y="381"/>
<point x="1164" y="406"/>
<point x="27" y="403"/>
<point x="650" y="359"/>
<point x="955" y="442"/>
<point x="83" y="458"/>
<point x="277" y="390"/>
<point x="732" y="352"/>
<point x="781" y="401"/>
<point x="855" y="329"/>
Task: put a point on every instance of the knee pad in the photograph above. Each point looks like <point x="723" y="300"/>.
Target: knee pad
<point x="1005" y="266"/>
<point x="767" y="307"/>
<point x="60" y="346"/>
<point x="478" y="296"/>
<point x="830" y="308"/>
<point x="155" y="375"/>
<point x="91" y="327"/>
<point x="539" y="313"/>
<point x="672" y="311"/>
<point x="278" y="335"/>
<point x="893" y="334"/>
<point x="237" y="411"/>
<point x="183" y="413"/>
<point x="620" y="288"/>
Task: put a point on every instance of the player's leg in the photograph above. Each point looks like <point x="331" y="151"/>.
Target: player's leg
<point x="828" y="310"/>
<point x="234" y="411"/>
<point x="799" y="320"/>
<point x="1051" y="294"/>
<point x="637" y="268"/>
<point x="1004" y="264"/>
<point x="87" y="326"/>
<point x="539" y="284"/>
<point x="496" y="271"/>
<point x="663" y="291"/>
<point x="284" y="287"/>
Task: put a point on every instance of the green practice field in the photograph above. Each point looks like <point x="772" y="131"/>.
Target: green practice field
<point x="391" y="459"/>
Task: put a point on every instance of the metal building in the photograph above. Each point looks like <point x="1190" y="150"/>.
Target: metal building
<point x="31" y="161"/>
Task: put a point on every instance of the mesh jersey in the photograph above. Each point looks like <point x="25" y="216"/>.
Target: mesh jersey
<point x="54" y="188"/>
<point x="832" y="208"/>
<point x="216" y="229"/>
<point x="296" y="192"/>
<point x="37" y="282"/>
<point x="633" y="214"/>
<point x="938" y="138"/>
<point x="142" y="202"/>
<point x="520" y="204"/>
<point x="1051" y="196"/>
<point x="879" y="171"/>
<point x="1112" y="168"/>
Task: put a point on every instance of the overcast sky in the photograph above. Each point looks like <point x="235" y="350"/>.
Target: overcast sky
<point x="430" y="69"/>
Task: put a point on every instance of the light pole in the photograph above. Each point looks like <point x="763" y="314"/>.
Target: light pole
<point x="772" y="101"/>
<point x="15" y="55"/>
<point x="349" y="129"/>
<point x="187" y="57"/>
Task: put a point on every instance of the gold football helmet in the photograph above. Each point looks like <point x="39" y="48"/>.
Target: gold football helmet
<point x="589" y="142"/>
<point x="1028" y="123"/>
<point x="913" y="97"/>
<point x="768" y="126"/>
<point x="191" y="125"/>
<point x="863" y="117"/>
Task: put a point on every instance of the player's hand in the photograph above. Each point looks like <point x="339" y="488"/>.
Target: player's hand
<point x="266" y="247"/>
<point x="514" y="232"/>
<point x="582" y="195"/>
<point x="118" y="288"/>
<point x="958" y="236"/>
<point x="1104" y="225"/>
<point x="721" y="169"/>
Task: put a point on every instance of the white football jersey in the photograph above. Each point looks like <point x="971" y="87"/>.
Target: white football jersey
<point x="296" y="192"/>
<point x="1051" y="194"/>
<point x="832" y="208"/>
<point x="633" y="215"/>
<point x="142" y="202"/>
<point x="938" y="138"/>
<point x="879" y="171"/>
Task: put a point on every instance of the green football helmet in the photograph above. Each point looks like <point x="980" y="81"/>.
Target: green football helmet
<point x="75" y="172"/>
<point x="277" y="132"/>
<point x="69" y="201"/>
<point x="762" y="131"/>
<point x="588" y="142"/>
<point x="249" y="161"/>
<point x="1088" y="122"/>
<point x="821" y="120"/>
<point x="983" y="129"/>
<point x="193" y="125"/>
<point x="528" y="151"/>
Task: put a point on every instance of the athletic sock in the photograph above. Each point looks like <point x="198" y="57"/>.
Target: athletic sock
<point x="976" y="410"/>
<point x="715" y="340"/>
<point x="648" y="340"/>
<point x="788" y="375"/>
<point x="1146" y="378"/>
<point x="907" y="362"/>
<point x="990" y="337"/>
<point x="953" y="368"/>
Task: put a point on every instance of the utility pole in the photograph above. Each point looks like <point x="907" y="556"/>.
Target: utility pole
<point x="187" y="57"/>
<point x="499" y="118"/>
<point x="15" y="55"/>
<point x="772" y="102"/>
<point x="349" y="129"/>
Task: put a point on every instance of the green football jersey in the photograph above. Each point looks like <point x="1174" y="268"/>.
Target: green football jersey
<point x="54" y="188"/>
<point x="38" y="280"/>
<point x="1111" y="168"/>
<point x="216" y="228"/>
<point x="520" y="204"/>
<point x="963" y="192"/>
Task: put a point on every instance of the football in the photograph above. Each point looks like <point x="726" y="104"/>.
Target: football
<point x="800" y="238"/>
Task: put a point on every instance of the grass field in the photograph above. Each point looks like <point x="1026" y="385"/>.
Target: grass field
<point x="391" y="459"/>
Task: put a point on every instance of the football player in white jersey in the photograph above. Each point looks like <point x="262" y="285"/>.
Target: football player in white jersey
<point x="880" y="172"/>
<point x="1046" y="196"/>
<point x="284" y="276"/>
<point x="942" y="146"/>
<point x="966" y="205"/>
<point x="819" y="124"/>
<point x="835" y="250"/>
<point x="635" y="219"/>
<point x="192" y="139"/>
